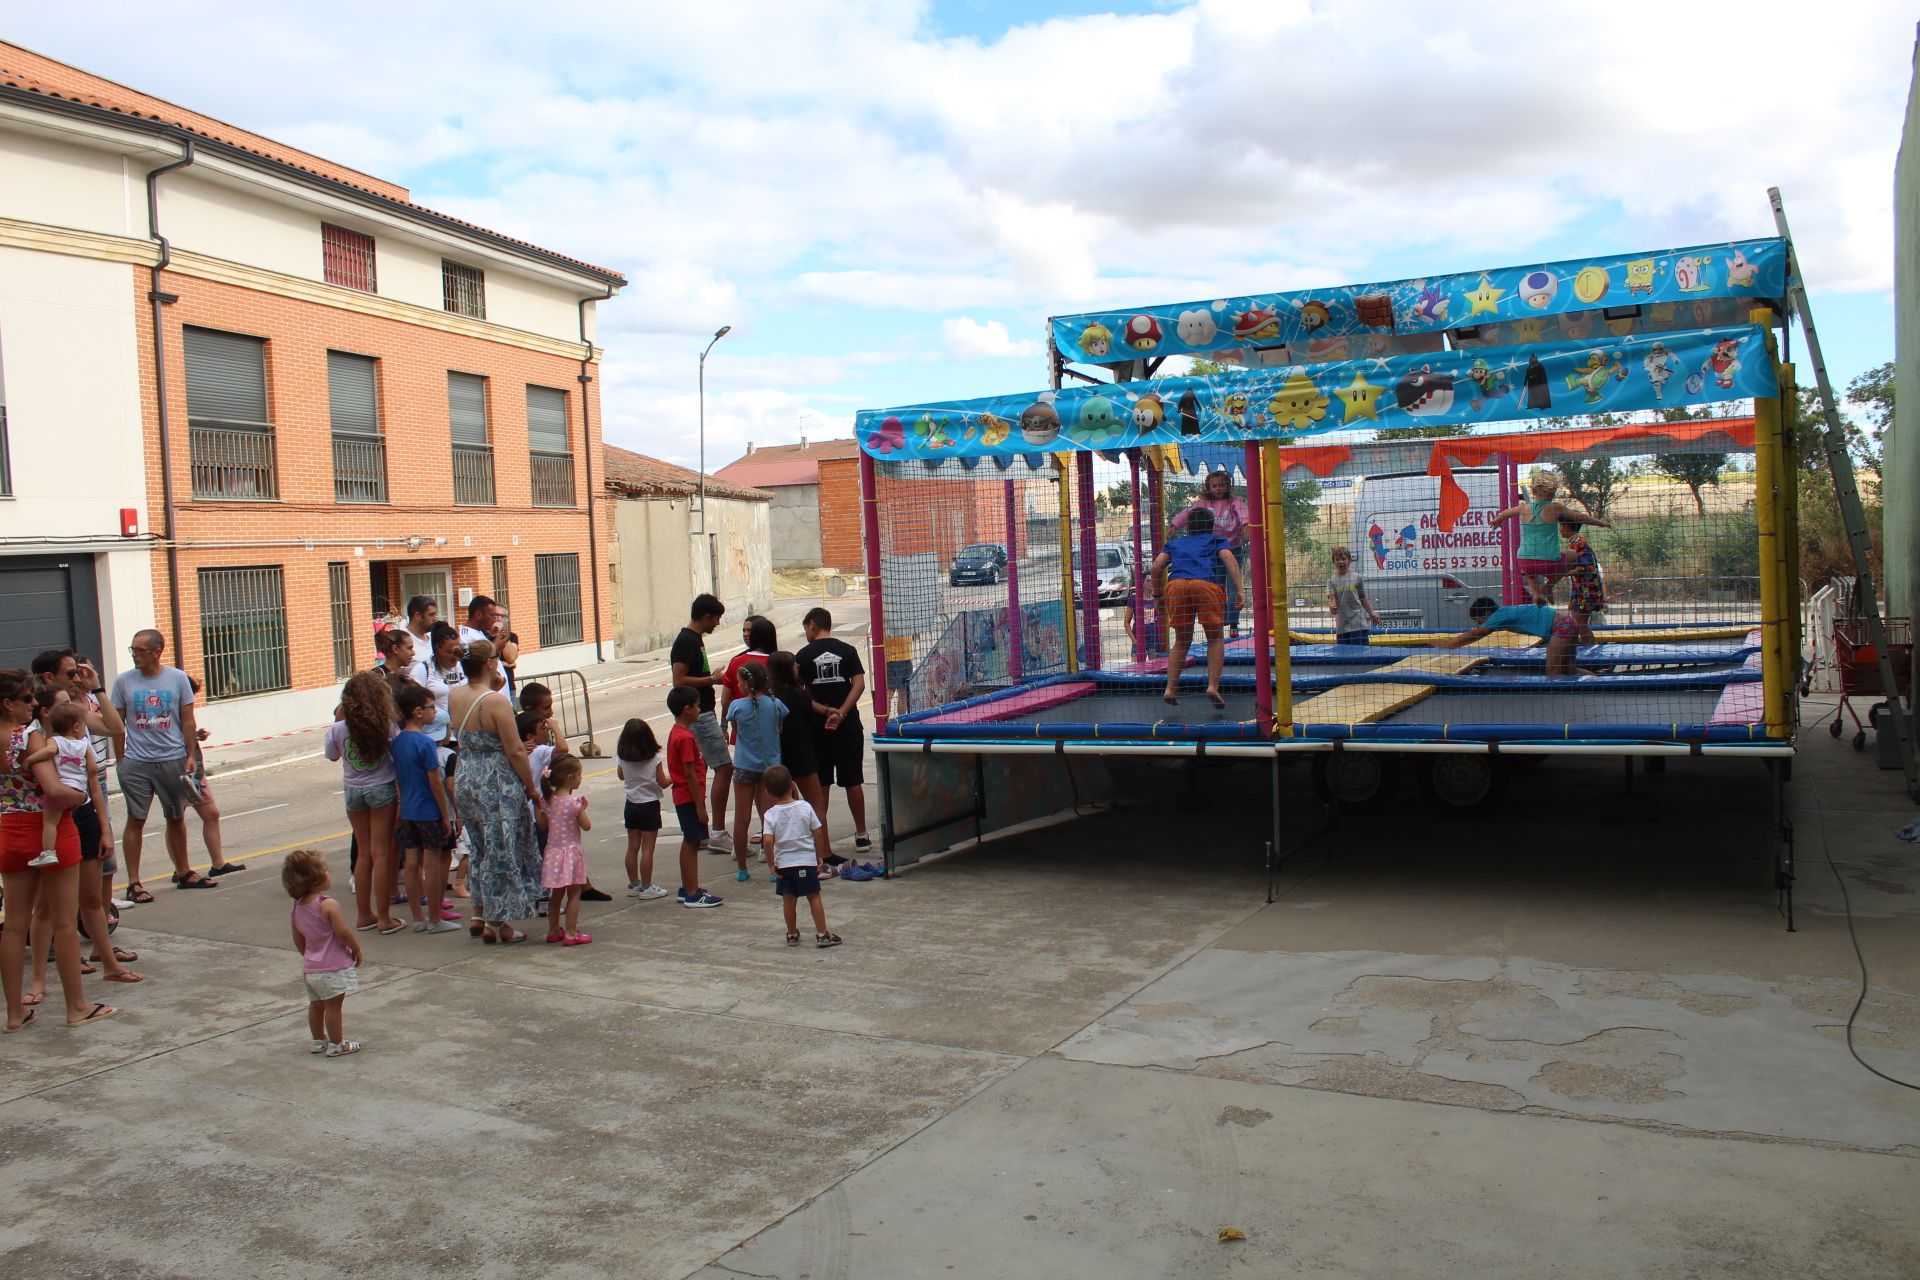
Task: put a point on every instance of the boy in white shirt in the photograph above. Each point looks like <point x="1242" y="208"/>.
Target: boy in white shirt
<point x="795" y="844"/>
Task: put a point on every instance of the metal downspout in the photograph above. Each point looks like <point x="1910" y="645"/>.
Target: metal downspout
<point x="586" y="449"/>
<point x="159" y="298"/>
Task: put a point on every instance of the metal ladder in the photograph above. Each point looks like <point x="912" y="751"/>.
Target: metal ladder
<point x="1851" y="511"/>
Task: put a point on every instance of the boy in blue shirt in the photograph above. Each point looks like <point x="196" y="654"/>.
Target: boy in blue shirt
<point x="427" y="828"/>
<point x="1183" y="579"/>
<point x="1561" y="629"/>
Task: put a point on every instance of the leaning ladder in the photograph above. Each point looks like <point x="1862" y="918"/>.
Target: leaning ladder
<point x="1851" y="511"/>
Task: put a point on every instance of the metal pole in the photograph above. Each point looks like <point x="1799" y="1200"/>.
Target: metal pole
<point x="1067" y="627"/>
<point x="1089" y="571"/>
<point x="1016" y="637"/>
<point x="1157" y="535"/>
<point x="877" y="635"/>
<point x="1279" y="606"/>
<point x="1255" y="578"/>
<point x="722" y="332"/>
<point x="1848" y="494"/>
<point x="1139" y="567"/>
<point x="1510" y="585"/>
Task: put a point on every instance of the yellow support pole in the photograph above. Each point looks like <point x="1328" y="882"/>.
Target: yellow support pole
<point x="1063" y="474"/>
<point x="1281" y="637"/>
<point x="1768" y="477"/>
<point x="1790" y="526"/>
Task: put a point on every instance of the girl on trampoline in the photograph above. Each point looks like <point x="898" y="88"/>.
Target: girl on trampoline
<point x="1541" y="518"/>
<point x="1183" y="581"/>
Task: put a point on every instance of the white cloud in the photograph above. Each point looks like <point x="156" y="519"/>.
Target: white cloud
<point x="968" y="339"/>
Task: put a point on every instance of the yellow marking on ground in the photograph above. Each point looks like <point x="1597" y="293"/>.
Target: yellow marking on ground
<point x="1375" y="701"/>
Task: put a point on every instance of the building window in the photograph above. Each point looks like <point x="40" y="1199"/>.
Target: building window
<point x="359" y="451"/>
<point x="340" y="608"/>
<point x="500" y="583"/>
<point x="243" y="630"/>
<point x="230" y="435"/>
<point x="347" y="258"/>
<point x="472" y="444"/>
<point x="556" y="588"/>
<point x="551" y="463"/>
<point x="463" y="290"/>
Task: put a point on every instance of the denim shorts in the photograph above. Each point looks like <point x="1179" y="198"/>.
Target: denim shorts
<point x="692" y="830"/>
<point x="374" y="797"/>
<point x="747" y="777"/>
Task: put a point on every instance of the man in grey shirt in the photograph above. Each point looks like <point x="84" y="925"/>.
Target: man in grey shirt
<point x="163" y="748"/>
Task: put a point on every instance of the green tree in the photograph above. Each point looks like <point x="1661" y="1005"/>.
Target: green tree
<point x="1694" y="470"/>
<point x="1873" y="392"/>
<point x="1591" y="481"/>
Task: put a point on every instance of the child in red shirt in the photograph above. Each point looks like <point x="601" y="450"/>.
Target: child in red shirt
<point x="687" y="771"/>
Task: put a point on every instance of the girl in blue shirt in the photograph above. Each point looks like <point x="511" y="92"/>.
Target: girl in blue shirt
<point x="755" y="716"/>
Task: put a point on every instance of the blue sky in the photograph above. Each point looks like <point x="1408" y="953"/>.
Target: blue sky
<point x="886" y="198"/>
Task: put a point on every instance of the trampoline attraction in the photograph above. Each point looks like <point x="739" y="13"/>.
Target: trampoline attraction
<point x="1021" y="548"/>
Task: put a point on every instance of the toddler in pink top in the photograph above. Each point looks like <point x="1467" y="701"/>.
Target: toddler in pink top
<point x="329" y="953"/>
<point x="563" y="869"/>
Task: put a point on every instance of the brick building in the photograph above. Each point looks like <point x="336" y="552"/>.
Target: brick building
<point x="348" y="399"/>
<point x="814" y="484"/>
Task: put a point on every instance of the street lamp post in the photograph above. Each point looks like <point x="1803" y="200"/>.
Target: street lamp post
<point x="719" y="333"/>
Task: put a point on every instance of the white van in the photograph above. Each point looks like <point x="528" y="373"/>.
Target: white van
<point x="1417" y="574"/>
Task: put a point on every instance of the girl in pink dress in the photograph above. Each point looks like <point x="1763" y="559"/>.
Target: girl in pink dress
<point x="563" y="870"/>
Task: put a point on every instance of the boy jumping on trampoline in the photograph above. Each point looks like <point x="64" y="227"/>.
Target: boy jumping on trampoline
<point x="1560" y="628"/>
<point x="1541" y="518"/>
<point x="1183" y="576"/>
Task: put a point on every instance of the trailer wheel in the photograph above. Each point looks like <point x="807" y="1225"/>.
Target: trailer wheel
<point x="1356" y="779"/>
<point x="1463" y="784"/>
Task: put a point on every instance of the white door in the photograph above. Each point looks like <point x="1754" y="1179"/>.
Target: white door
<point x="434" y="580"/>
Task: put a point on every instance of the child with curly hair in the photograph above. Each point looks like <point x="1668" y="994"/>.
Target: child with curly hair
<point x="361" y="739"/>
<point x="330" y="956"/>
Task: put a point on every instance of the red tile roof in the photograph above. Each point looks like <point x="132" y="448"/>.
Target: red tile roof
<point x="636" y="475"/>
<point x="782" y="464"/>
<point x="35" y="73"/>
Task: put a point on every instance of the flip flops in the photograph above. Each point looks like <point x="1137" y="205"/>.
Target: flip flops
<point x="24" y="1023"/>
<point x="99" y="1013"/>
<point x="125" y="975"/>
<point x="192" y="880"/>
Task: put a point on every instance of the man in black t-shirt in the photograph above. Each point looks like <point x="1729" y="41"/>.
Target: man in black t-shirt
<point x="835" y="680"/>
<point x="691" y="670"/>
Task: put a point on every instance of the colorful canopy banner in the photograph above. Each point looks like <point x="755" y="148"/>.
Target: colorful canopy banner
<point x="1615" y="286"/>
<point x="1442" y="388"/>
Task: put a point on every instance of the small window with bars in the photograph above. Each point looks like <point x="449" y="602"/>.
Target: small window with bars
<point x="346" y="258"/>
<point x="472" y="441"/>
<point x="556" y="586"/>
<point x="463" y="289"/>
<point x="500" y="596"/>
<point x="551" y="465"/>
<point x="340" y="612"/>
<point x="243" y="630"/>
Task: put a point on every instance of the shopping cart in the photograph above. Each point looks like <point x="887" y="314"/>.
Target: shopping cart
<point x="1858" y="664"/>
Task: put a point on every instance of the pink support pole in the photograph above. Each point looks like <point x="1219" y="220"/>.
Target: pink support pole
<point x="1139" y="567"/>
<point x="877" y="638"/>
<point x="1257" y="588"/>
<point x="1510" y="585"/>
<point x="1016" y="632"/>
<point x="1089" y="571"/>
<point x="1155" y="504"/>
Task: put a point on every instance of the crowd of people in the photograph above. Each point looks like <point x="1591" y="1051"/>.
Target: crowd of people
<point x="459" y="788"/>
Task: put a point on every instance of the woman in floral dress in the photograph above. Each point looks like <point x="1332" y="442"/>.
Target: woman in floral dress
<point x="492" y="791"/>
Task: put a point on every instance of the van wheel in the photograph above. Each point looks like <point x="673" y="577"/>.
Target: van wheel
<point x="1356" y="779"/>
<point x="1463" y="784"/>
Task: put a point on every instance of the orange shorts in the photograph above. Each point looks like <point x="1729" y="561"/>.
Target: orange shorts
<point x="1189" y="599"/>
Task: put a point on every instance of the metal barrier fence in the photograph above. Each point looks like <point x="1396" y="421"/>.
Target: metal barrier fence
<point x="572" y="706"/>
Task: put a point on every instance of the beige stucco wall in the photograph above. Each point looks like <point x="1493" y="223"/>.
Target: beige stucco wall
<point x="660" y="565"/>
<point x="67" y="357"/>
<point x="796" y="526"/>
<point x="1900" y="469"/>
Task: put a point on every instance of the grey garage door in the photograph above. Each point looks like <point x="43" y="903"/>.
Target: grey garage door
<point x="47" y="602"/>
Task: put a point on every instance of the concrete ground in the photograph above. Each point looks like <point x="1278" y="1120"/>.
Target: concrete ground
<point x="1574" y="1039"/>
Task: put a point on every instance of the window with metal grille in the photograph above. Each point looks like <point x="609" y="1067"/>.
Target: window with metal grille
<point x="463" y="290"/>
<point x="551" y="463"/>
<point x="359" y="452"/>
<point x="340" y="608"/>
<point x="243" y="630"/>
<point x="347" y="258"/>
<point x="230" y="435"/>
<point x="500" y="583"/>
<point x="556" y="588"/>
<point x="472" y="443"/>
